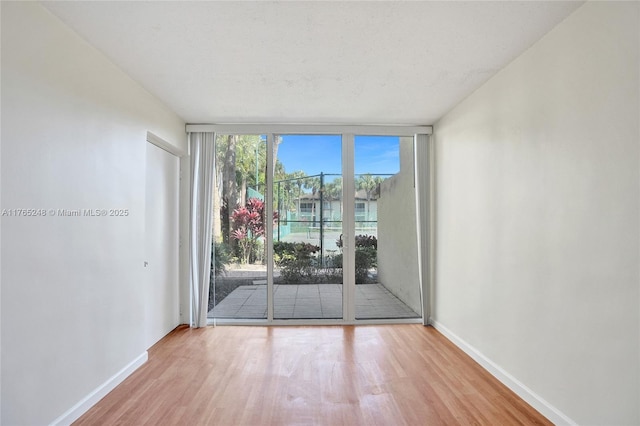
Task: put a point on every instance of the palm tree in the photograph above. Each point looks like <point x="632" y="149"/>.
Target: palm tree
<point x="250" y="160"/>
<point x="299" y="176"/>
<point x="312" y="183"/>
<point x="368" y="184"/>
<point x="333" y="191"/>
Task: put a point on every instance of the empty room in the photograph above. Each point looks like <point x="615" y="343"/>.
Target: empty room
<point x="320" y="213"/>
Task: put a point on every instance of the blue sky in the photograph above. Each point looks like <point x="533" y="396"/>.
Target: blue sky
<point x="322" y="153"/>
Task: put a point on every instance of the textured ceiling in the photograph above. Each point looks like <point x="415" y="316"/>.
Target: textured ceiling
<point x="311" y="62"/>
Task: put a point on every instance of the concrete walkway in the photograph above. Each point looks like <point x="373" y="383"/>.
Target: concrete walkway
<point x="310" y="301"/>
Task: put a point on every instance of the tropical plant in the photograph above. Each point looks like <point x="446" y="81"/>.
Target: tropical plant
<point x="240" y="163"/>
<point x="369" y="184"/>
<point x="248" y="223"/>
<point x="296" y="180"/>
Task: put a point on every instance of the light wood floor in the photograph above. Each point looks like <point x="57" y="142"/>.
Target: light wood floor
<point x="320" y="375"/>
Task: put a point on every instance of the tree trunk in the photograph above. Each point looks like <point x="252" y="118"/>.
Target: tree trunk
<point x="243" y="192"/>
<point x="229" y="186"/>
<point x="276" y="143"/>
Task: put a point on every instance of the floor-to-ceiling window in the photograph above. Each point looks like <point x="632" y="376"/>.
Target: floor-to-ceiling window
<point x="239" y="229"/>
<point x="386" y="252"/>
<point x="315" y="228"/>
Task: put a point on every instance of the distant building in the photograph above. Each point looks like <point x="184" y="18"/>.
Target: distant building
<point x="365" y="211"/>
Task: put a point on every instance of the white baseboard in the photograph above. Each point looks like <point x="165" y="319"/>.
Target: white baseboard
<point x="74" y="413"/>
<point x="533" y="399"/>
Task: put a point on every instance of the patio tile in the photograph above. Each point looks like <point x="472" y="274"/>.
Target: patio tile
<point x="307" y="315"/>
<point x="239" y="295"/>
<point x="308" y="293"/>
<point x="331" y="297"/>
<point x="311" y="301"/>
<point x="330" y="288"/>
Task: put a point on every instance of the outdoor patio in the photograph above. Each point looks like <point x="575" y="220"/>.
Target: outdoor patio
<point x="310" y="301"/>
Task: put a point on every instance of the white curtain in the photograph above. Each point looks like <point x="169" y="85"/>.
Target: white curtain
<point x="202" y="151"/>
<point x="424" y="178"/>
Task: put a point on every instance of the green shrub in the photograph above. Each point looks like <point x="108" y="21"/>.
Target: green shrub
<point x="361" y="241"/>
<point x="220" y="258"/>
<point x="366" y="258"/>
<point x="297" y="261"/>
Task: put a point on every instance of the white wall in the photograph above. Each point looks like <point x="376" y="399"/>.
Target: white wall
<point x="538" y="217"/>
<point x="397" y="241"/>
<point x="74" y="131"/>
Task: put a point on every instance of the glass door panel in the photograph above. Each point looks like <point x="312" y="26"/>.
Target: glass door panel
<point x="307" y="194"/>
<point x="239" y="272"/>
<point x="386" y="252"/>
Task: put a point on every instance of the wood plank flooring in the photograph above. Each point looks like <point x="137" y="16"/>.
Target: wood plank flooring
<point x="401" y="374"/>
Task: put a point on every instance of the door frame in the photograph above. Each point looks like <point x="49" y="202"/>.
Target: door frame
<point x="183" y="223"/>
<point x="424" y="191"/>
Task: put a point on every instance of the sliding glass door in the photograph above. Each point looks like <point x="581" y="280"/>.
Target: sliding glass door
<point x="307" y="194"/>
<point x="315" y="228"/>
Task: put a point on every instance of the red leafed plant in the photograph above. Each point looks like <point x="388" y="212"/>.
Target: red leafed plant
<point x="248" y="224"/>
